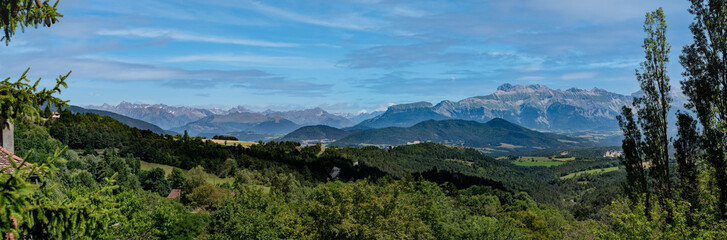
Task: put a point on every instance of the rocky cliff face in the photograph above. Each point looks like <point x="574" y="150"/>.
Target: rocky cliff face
<point x="537" y="106"/>
<point x="532" y="106"/>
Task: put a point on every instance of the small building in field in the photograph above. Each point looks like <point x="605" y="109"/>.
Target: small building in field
<point x="175" y="193"/>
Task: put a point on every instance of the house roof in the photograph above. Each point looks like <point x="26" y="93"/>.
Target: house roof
<point x="5" y="159"/>
<point x="175" y="193"/>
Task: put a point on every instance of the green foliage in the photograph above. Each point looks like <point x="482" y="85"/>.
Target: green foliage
<point x="499" y="134"/>
<point x="654" y="105"/>
<point x="112" y="165"/>
<point x="222" y="137"/>
<point x="26" y="13"/>
<point x="30" y="137"/>
<point x="154" y="180"/>
<point x="177" y="179"/>
<point x="145" y="215"/>
<point x="705" y="68"/>
<point x="471" y="167"/>
<point x="384" y="210"/>
<point x="207" y="196"/>
<point x="92" y="131"/>
<point x="630" y="222"/>
<point x="228" y="168"/>
<point x="20" y="98"/>
<point x="41" y="215"/>
<point x="196" y="177"/>
<point x="687" y="154"/>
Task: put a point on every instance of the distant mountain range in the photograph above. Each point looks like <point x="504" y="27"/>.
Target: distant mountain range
<point x="171" y="117"/>
<point x="495" y="135"/>
<point x="576" y="112"/>
<point x="402" y="115"/>
<point x="161" y="115"/>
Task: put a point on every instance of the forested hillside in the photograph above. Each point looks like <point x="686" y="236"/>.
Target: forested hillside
<point x="495" y="134"/>
<point x="123" y="119"/>
<point x="452" y="192"/>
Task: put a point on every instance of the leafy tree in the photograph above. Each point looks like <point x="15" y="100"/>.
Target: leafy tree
<point x="112" y="165"/>
<point x="19" y="98"/>
<point x="227" y="168"/>
<point x="196" y="177"/>
<point x="208" y="196"/>
<point x="154" y="181"/>
<point x="687" y="153"/>
<point x="145" y="215"/>
<point x="705" y="83"/>
<point x="40" y="216"/>
<point x="636" y="186"/>
<point x="655" y="103"/>
<point x="651" y="141"/>
<point x="177" y="179"/>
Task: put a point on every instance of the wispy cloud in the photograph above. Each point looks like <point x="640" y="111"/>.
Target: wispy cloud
<point x="281" y="85"/>
<point x="578" y="75"/>
<point x="187" y="37"/>
<point x="255" y="60"/>
<point x="349" y="21"/>
<point x="530" y="78"/>
<point x="395" y="56"/>
<point x="172" y="77"/>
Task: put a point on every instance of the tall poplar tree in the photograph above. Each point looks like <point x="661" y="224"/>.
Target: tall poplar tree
<point x="687" y="153"/>
<point x="705" y="83"/>
<point x="636" y="186"/>
<point x="655" y="103"/>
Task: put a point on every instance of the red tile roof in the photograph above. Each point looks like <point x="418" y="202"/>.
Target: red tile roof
<point x="175" y="193"/>
<point x="5" y="160"/>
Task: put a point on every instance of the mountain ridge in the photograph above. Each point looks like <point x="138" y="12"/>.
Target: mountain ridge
<point x="533" y="106"/>
<point x="496" y="134"/>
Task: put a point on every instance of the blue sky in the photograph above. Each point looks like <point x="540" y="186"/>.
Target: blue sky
<point x="343" y="56"/>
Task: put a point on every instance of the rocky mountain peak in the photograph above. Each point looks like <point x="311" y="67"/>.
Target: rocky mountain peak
<point x="239" y="109"/>
<point x="410" y="106"/>
<point x="522" y="88"/>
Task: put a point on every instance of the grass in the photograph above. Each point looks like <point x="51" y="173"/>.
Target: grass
<point x="592" y="171"/>
<point x="536" y="161"/>
<point x="509" y="146"/>
<point x="211" y="178"/>
<point x="539" y="164"/>
<point x="232" y="143"/>
<point x="147" y="165"/>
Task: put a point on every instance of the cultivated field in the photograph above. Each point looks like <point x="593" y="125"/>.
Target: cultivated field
<point x="232" y="143"/>
<point x="212" y="179"/>
<point x="592" y="171"/>
<point x="536" y="161"/>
